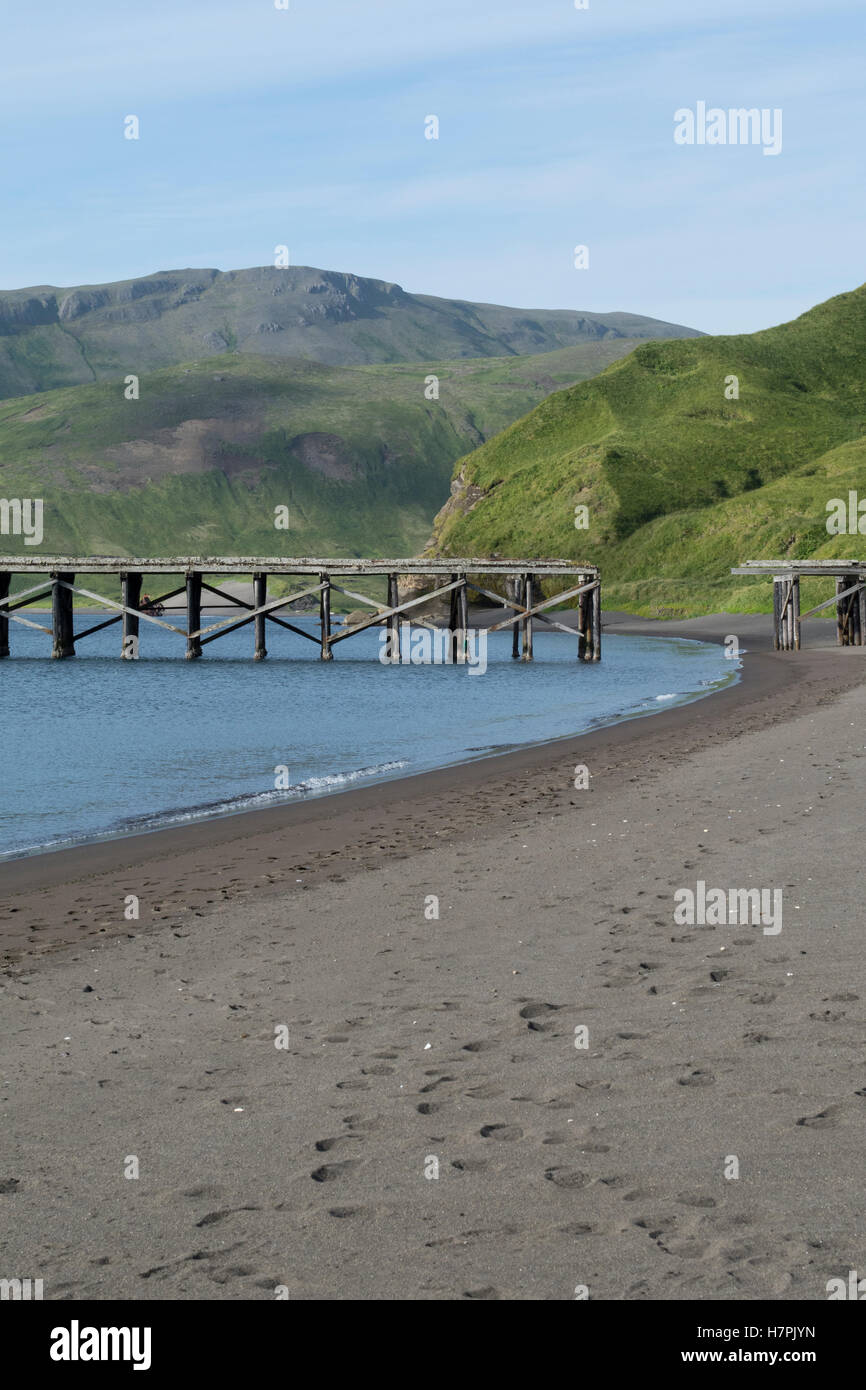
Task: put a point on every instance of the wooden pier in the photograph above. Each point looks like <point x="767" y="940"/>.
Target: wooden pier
<point x="454" y="577"/>
<point x="849" y="598"/>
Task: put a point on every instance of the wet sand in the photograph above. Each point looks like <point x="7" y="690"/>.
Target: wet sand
<point x="412" y="1039"/>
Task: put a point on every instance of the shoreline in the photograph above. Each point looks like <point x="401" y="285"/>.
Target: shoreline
<point x="36" y="889"/>
<point x="209" y="816"/>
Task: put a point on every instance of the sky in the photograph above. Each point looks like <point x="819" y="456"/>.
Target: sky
<point x="305" y="127"/>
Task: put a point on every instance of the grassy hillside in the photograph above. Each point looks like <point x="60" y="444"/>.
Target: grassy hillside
<point x="680" y="482"/>
<point x="53" y="337"/>
<point x="199" y="462"/>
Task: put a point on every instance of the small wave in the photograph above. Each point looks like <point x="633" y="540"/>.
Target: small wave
<point x="248" y="801"/>
<point x="672" y="696"/>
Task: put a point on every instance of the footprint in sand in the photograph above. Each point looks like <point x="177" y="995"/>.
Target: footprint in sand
<point x="431" y="1085"/>
<point x="538" y="1009"/>
<point x="501" y="1132"/>
<point x="329" y="1172"/>
<point x="213" y="1217"/>
<point x="825" y="1119"/>
<point x="570" y="1178"/>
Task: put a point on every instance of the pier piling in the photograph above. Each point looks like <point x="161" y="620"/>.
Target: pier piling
<point x="394" y="620"/>
<point x="130" y="597"/>
<point x="61" y="615"/>
<point x="5" y="578"/>
<point x="260" y="598"/>
<point x="325" y="617"/>
<point x="193" y="609"/>
<point x="527" y="622"/>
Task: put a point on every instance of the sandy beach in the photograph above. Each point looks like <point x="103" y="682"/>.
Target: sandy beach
<point x="417" y="1046"/>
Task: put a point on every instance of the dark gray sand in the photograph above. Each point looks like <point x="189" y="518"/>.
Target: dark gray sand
<point x="411" y="1039"/>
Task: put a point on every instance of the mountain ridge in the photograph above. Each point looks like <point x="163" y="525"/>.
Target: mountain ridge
<point x="54" y="336"/>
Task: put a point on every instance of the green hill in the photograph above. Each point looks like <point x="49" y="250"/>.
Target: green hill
<point x="681" y="482"/>
<point x="199" y="462"/>
<point x="53" y="337"/>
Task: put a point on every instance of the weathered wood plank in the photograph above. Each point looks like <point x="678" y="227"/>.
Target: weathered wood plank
<point x="280" y="564"/>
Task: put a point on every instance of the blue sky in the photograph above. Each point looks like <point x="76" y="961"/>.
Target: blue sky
<point x="305" y="127"/>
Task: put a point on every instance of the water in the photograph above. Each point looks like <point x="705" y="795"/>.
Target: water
<point x="97" y="747"/>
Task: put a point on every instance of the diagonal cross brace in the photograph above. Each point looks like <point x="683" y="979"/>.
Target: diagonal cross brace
<point x="522" y="613"/>
<point x="120" y="607"/>
<point x="400" y="608"/>
<point x="266" y="608"/>
<point x="835" y="599"/>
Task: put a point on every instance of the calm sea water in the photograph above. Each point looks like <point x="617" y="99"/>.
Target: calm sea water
<point x="97" y="747"/>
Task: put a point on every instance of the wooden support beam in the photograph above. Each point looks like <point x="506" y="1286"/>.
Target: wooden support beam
<point x="515" y="631"/>
<point x="777" y="613"/>
<point x="852" y="609"/>
<point x="130" y="597"/>
<point x="453" y="620"/>
<point x="62" y="616"/>
<point x="595" y="605"/>
<point x="841" y="611"/>
<point x="394" y="650"/>
<point x="785" y="588"/>
<point x="260" y="598"/>
<point x="325" y="617"/>
<point x="590" y="625"/>
<point x="193" y="616"/>
<point x="5" y="578"/>
<point x="584" y="618"/>
<point x="795" y="612"/>
<point x="462" y="622"/>
<point x="527" y="621"/>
